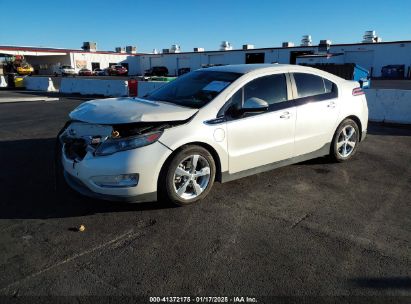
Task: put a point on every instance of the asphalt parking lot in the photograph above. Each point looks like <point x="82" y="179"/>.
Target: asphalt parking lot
<point x="315" y="228"/>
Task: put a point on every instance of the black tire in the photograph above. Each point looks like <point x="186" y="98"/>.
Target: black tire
<point x="336" y="152"/>
<point x="166" y="184"/>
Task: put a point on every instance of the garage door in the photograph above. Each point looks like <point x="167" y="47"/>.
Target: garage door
<point x="364" y="59"/>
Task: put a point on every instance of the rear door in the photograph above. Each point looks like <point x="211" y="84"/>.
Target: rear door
<point x="258" y="139"/>
<point x="317" y="110"/>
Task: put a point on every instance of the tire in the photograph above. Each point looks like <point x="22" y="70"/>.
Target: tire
<point x="171" y="184"/>
<point x="345" y="143"/>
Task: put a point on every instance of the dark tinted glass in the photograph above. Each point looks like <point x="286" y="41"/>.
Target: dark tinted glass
<point x="272" y="89"/>
<point x="309" y="85"/>
<point x="329" y="86"/>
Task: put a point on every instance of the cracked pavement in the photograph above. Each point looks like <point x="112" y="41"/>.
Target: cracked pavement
<point x="314" y="228"/>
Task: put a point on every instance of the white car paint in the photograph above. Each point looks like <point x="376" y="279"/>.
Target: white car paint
<point x="65" y="70"/>
<point x="129" y="110"/>
<point x="243" y="146"/>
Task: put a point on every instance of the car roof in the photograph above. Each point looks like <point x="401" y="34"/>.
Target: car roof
<point x="247" y="68"/>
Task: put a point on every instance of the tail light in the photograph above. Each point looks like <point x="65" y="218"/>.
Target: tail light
<point x="357" y="92"/>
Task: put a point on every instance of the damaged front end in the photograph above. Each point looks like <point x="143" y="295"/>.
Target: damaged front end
<point x="79" y="138"/>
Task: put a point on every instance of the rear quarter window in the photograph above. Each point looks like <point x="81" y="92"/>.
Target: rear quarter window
<point x="312" y="85"/>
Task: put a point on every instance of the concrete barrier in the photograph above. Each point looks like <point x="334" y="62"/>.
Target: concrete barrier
<point x="393" y="106"/>
<point x="39" y="84"/>
<point x="112" y="88"/>
<point x="145" y="87"/>
<point x="3" y="83"/>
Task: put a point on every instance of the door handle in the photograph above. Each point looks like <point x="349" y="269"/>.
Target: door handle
<point x="331" y="105"/>
<point x="285" y="115"/>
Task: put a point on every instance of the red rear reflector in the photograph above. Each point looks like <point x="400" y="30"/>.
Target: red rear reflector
<point x="357" y="91"/>
<point x="153" y="137"/>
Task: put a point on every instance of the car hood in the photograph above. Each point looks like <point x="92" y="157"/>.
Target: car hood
<point x="129" y="110"/>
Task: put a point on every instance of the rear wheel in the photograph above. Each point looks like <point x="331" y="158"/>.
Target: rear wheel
<point x="345" y="141"/>
<point x="188" y="177"/>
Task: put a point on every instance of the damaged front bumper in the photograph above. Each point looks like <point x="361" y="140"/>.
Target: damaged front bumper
<point x="129" y="175"/>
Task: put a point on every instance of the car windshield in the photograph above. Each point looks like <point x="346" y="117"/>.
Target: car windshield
<point x="195" y="89"/>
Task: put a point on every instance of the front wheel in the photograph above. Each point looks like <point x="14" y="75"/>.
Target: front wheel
<point x="188" y="177"/>
<point x="345" y="141"/>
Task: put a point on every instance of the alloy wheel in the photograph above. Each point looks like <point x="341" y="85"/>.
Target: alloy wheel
<point x="347" y="139"/>
<point x="191" y="177"/>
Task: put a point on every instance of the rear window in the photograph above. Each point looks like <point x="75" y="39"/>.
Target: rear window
<point x="329" y="86"/>
<point x="309" y="85"/>
<point x="313" y="85"/>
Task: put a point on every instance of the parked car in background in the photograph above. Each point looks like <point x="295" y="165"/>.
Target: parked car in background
<point x="99" y="72"/>
<point x="65" y="70"/>
<point x="157" y="71"/>
<point x="117" y="70"/>
<point x="85" y="72"/>
<point x="219" y="123"/>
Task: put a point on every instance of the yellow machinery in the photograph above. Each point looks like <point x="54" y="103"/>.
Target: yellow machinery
<point x="25" y="69"/>
<point x="17" y="64"/>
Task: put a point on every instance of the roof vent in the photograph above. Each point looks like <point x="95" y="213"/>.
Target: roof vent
<point x="175" y="48"/>
<point x="198" y="50"/>
<point x="120" y="49"/>
<point x="371" y="37"/>
<point x="306" y="40"/>
<point x="226" y="46"/>
<point x="288" y="44"/>
<point x="131" y="49"/>
<point x="89" y="46"/>
<point x="248" y="46"/>
<point x="324" y="46"/>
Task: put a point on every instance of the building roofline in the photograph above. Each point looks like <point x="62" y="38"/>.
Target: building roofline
<point x="58" y="50"/>
<point x="281" y="48"/>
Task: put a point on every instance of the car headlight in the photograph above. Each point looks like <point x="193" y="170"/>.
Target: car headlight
<point x="111" y="146"/>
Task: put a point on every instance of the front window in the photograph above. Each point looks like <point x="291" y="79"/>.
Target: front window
<point x="272" y="89"/>
<point x="195" y="89"/>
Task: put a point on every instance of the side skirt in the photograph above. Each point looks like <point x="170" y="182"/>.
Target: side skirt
<point x="324" y="150"/>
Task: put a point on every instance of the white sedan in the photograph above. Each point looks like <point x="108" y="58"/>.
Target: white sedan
<point x="214" y="124"/>
<point x="65" y="70"/>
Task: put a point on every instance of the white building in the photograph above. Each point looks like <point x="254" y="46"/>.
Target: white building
<point x="46" y="60"/>
<point x="370" y="55"/>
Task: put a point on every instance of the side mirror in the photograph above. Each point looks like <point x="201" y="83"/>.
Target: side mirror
<point x="254" y="105"/>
